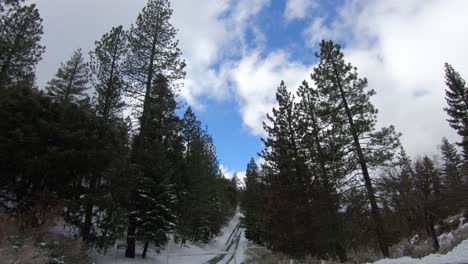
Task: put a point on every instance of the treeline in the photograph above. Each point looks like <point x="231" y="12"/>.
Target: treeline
<point x="332" y="182"/>
<point x="70" y="146"/>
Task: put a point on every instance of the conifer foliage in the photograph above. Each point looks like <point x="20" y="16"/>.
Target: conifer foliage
<point x="456" y="95"/>
<point x="20" y="50"/>
<point x="328" y="182"/>
<point x="70" y="81"/>
<point x="313" y="144"/>
<point x="106" y="69"/>
<point x="61" y="152"/>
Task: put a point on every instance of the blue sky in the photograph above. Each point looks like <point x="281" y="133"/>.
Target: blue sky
<point x="238" y="51"/>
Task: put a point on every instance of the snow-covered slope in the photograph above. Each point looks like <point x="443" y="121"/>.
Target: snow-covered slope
<point x="231" y="240"/>
<point x="458" y="255"/>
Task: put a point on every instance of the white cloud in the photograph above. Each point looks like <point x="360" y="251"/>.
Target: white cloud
<point x="317" y="31"/>
<point x="256" y="78"/>
<point x="209" y="32"/>
<point x="229" y="174"/>
<point x="401" y="47"/>
<point x="298" y="9"/>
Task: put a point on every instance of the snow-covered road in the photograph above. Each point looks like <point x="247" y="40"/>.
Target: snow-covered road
<point x="231" y="240"/>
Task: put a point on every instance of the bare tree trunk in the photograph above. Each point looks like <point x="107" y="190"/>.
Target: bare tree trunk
<point x="431" y="230"/>
<point x="365" y="172"/>
<point x="145" y="249"/>
<point x="130" y="251"/>
<point x="86" y="232"/>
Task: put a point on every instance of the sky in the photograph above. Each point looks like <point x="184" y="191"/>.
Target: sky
<point x="238" y="51"/>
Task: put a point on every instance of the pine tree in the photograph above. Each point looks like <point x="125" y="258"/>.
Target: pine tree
<point x="397" y="190"/>
<point x="321" y="139"/>
<point x="451" y="164"/>
<point x="106" y="69"/>
<point x="253" y="203"/>
<point x="343" y="87"/>
<point x="48" y="149"/>
<point x="428" y="187"/>
<point x="286" y="180"/>
<point x="201" y="211"/>
<point x="70" y="81"/>
<point x="456" y="95"/>
<point x="153" y="50"/>
<point x="20" y="34"/>
<point x="452" y="176"/>
<point x="152" y="207"/>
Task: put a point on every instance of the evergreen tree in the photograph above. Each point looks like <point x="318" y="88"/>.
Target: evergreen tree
<point x="397" y="190"/>
<point x="321" y="131"/>
<point x="451" y="164"/>
<point x="428" y="188"/>
<point x="106" y="69"/>
<point x="70" y="81"/>
<point x="153" y="50"/>
<point x="201" y="210"/>
<point x="452" y="176"/>
<point x="152" y="205"/>
<point x="369" y="147"/>
<point x="456" y="95"/>
<point x="358" y="227"/>
<point x="101" y="212"/>
<point x="94" y="203"/>
<point x="47" y="150"/>
<point x="253" y="204"/>
<point x="286" y="180"/>
<point x="20" y="34"/>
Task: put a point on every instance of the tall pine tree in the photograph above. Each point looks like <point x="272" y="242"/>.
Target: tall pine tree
<point x="286" y="180"/>
<point x="368" y="147"/>
<point x="152" y="206"/>
<point x="71" y="80"/>
<point x="456" y="95"/>
<point x="106" y="68"/>
<point x="20" y="34"/>
<point x="452" y="172"/>
<point x="321" y="139"/>
<point x="428" y="188"/>
<point x="201" y="209"/>
<point x="253" y="204"/>
<point x="153" y="50"/>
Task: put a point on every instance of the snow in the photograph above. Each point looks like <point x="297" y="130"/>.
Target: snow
<point x="458" y="255"/>
<point x="231" y="239"/>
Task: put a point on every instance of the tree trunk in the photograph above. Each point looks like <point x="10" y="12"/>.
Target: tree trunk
<point x="331" y="209"/>
<point x="365" y="172"/>
<point x="432" y="232"/>
<point x="145" y="249"/>
<point x="130" y="251"/>
<point x="89" y="210"/>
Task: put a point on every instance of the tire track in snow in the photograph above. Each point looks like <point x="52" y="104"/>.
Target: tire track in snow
<point x="234" y="238"/>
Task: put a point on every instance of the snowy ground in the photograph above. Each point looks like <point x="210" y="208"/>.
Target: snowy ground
<point x="458" y="255"/>
<point x="231" y="240"/>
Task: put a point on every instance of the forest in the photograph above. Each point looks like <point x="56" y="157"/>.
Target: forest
<point x="142" y="175"/>
<point x="108" y="147"/>
<point x="333" y="182"/>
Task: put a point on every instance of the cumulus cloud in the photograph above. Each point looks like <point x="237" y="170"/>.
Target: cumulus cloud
<point x="209" y="32"/>
<point x="255" y="80"/>
<point x="298" y="9"/>
<point x="229" y="174"/>
<point x="401" y="46"/>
